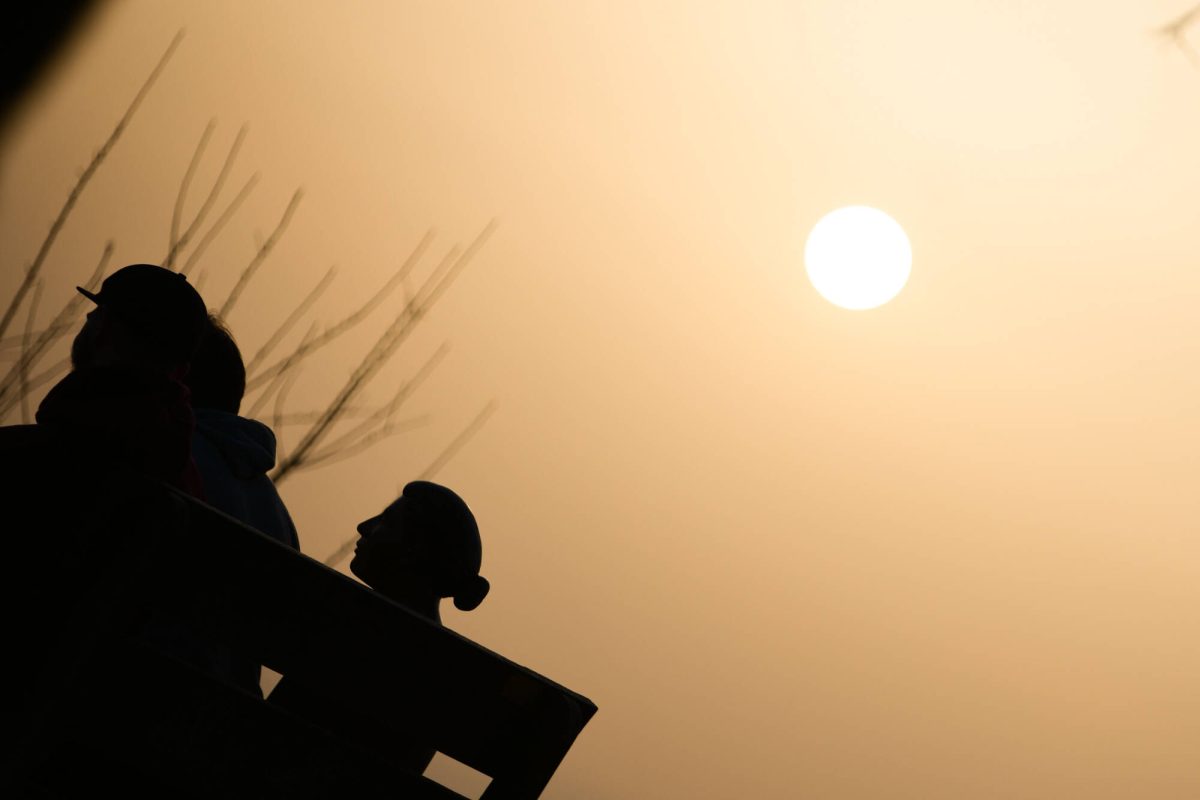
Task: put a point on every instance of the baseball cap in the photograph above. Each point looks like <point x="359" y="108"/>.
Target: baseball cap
<point x="156" y="303"/>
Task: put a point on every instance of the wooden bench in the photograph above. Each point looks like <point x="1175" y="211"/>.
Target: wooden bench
<point x="339" y="641"/>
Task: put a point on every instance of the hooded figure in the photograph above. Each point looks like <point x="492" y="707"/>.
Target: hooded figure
<point x="233" y="453"/>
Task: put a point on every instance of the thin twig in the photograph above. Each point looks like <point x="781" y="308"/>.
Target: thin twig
<point x="51" y="373"/>
<point x="383" y="349"/>
<point x="63" y="321"/>
<point x="201" y="281"/>
<point x="14" y="342"/>
<point x="33" y="306"/>
<point x="219" y="225"/>
<point x="309" y="417"/>
<point x="326" y="458"/>
<point x="383" y="414"/>
<point x="290" y="364"/>
<point x="177" y="212"/>
<point x="259" y="257"/>
<point x="436" y="286"/>
<point x="213" y="193"/>
<point x="35" y="268"/>
<point x="350" y="321"/>
<point x="1176" y="32"/>
<point x="460" y="441"/>
<point x="280" y="400"/>
<point x="298" y="312"/>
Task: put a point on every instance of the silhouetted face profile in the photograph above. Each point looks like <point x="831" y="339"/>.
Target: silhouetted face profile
<point x="423" y="547"/>
<point x="385" y="545"/>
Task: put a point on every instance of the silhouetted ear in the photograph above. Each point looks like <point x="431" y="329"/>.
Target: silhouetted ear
<point x="471" y="593"/>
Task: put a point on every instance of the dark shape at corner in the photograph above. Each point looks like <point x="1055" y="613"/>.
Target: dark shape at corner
<point x="36" y="34"/>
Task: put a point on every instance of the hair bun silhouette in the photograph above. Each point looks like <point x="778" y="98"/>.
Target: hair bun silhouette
<point x="455" y="551"/>
<point x="471" y="593"/>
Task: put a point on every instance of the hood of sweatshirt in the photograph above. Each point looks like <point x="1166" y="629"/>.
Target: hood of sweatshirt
<point x="247" y="445"/>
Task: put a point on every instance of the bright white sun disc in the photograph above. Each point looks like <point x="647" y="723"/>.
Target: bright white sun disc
<point x="858" y="257"/>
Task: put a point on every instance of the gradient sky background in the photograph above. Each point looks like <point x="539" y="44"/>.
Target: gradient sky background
<point x="946" y="548"/>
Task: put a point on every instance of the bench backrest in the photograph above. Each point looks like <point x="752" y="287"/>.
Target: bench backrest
<point x="164" y="552"/>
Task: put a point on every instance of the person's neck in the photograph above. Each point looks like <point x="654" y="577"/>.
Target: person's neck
<point x="427" y="606"/>
<point x="413" y="590"/>
<point x="415" y="599"/>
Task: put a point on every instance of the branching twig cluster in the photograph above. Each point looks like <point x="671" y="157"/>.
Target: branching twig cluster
<point x="309" y="448"/>
<point x="16" y="384"/>
<point x="1176" y="30"/>
<point x="323" y="438"/>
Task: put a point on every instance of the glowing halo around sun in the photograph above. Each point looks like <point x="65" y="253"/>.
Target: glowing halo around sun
<point x="858" y="257"/>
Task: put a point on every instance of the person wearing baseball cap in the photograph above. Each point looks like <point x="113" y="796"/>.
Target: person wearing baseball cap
<point x="161" y="319"/>
<point x="121" y="414"/>
<point x="124" y="401"/>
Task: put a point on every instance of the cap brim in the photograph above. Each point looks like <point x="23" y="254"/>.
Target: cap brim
<point x="95" y="298"/>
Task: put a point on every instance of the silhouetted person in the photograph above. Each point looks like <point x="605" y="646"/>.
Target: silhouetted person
<point x="121" y="410"/>
<point x="233" y="453"/>
<point x="123" y="403"/>
<point x="422" y="548"/>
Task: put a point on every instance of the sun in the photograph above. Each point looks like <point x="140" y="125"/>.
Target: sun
<point x="858" y="257"/>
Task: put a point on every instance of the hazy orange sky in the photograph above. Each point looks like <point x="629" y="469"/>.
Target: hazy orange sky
<point x="946" y="548"/>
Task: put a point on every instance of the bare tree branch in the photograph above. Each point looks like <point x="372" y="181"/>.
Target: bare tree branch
<point x="290" y="364"/>
<point x="211" y="198"/>
<point x="217" y="226"/>
<point x="388" y="429"/>
<point x="382" y="415"/>
<point x="392" y="338"/>
<point x="35" y="268"/>
<point x="299" y="311"/>
<point x="1176" y="30"/>
<point x="263" y="251"/>
<point x="63" y="321"/>
<point x="177" y="212"/>
<point x="29" y="319"/>
<point x="460" y="441"/>
<point x="309" y="417"/>
<point x="201" y="280"/>
<point x="349" y="322"/>
<point x="280" y="399"/>
<point x="14" y="343"/>
<point x="432" y="290"/>
<point x="51" y="373"/>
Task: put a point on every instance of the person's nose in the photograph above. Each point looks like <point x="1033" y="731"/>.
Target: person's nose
<point x="366" y="526"/>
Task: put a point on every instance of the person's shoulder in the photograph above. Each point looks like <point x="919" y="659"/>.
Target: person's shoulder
<point x="17" y="435"/>
<point x="36" y="462"/>
<point x="20" y="443"/>
<point x="247" y="444"/>
<point x="224" y="424"/>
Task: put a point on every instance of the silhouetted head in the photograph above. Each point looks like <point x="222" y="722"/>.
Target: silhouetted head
<point x="424" y="546"/>
<point x="217" y="377"/>
<point x="145" y="315"/>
